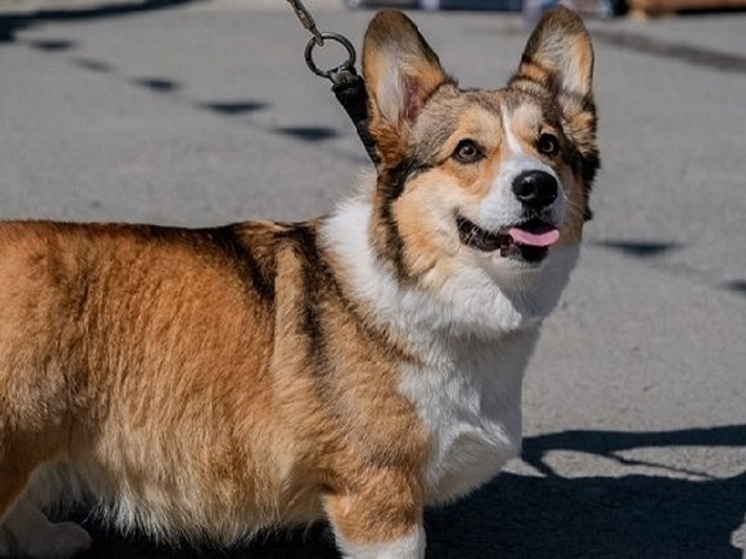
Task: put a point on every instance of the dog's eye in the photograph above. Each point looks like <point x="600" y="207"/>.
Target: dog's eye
<point x="548" y="144"/>
<point x="467" y="151"/>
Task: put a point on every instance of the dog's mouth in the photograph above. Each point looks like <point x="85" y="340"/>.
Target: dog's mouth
<point x="529" y="240"/>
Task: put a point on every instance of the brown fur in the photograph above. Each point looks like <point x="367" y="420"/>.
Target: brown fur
<point x="120" y="340"/>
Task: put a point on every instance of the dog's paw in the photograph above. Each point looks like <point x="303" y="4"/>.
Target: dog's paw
<point x="27" y="533"/>
<point x="5" y="542"/>
<point x="63" y="541"/>
<point x="70" y="540"/>
<point x="56" y="541"/>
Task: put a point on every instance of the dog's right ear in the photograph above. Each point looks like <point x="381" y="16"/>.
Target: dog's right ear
<point x="401" y="71"/>
<point x="559" y="58"/>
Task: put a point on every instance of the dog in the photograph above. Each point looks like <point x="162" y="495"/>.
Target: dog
<point x="210" y="384"/>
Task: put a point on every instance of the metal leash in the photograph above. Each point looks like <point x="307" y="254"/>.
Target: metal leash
<point x="337" y="74"/>
<point x="348" y="86"/>
<point x="307" y="20"/>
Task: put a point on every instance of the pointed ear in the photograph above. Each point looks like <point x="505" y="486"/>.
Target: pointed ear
<point x="559" y="57"/>
<point x="401" y="71"/>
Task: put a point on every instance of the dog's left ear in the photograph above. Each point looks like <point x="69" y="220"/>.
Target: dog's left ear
<point x="559" y="58"/>
<point x="401" y="71"/>
<point x="558" y="61"/>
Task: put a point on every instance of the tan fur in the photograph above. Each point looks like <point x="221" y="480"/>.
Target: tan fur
<point x="212" y="383"/>
<point x="144" y="355"/>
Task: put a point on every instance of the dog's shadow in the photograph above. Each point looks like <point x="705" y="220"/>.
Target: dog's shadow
<point x="548" y="516"/>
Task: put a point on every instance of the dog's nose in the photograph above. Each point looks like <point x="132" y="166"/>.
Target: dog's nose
<point x="536" y="189"/>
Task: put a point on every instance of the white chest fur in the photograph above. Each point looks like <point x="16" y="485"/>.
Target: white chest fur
<point x="471" y="402"/>
<point x="474" y="337"/>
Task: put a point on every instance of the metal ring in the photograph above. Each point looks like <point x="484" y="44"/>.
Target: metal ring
<point x="349" y="64"/>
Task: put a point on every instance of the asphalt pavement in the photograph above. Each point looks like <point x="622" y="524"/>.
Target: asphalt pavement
<point x="200" y="113"/>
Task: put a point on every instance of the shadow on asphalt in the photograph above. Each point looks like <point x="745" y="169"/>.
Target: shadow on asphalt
<point x="736" y="286"/>
<point x="516" y="516"/>
<point x="640" y="249"/>
<point x="10" y="24"/>
<point x="651" y="250"/>
<point x="640" y="516"/>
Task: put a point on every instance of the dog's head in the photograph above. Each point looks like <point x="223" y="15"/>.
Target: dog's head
<point x="499" y="179"/>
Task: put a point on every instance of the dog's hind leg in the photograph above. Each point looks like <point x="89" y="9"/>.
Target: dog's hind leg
<point x="40" y="354"/>
<point x="26" y="532"/>
<point x="28" y="442"/>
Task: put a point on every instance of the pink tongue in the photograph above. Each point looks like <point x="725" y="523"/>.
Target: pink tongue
<point x="545" y="239"/>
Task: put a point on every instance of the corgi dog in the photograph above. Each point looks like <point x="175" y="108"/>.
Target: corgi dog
<point x="210" y="384"/>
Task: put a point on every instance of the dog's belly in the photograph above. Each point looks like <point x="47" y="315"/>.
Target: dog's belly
<point x="177" y="502"/>
<point x="178" y="483"/>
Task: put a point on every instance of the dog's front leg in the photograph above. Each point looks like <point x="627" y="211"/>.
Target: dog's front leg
<point x="410" y="546"/>
<point x="382" y="520"/>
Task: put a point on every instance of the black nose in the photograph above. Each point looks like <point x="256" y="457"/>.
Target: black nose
<point x="536" y="189"/>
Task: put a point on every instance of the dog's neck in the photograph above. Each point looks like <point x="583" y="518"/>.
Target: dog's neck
<point x="472" y="304"/>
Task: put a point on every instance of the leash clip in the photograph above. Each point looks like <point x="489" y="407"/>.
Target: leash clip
<point x="340" y="74"/>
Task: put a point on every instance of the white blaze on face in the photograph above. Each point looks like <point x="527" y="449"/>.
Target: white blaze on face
<point x="500" y="208"/>
<point x="514" y="146"/>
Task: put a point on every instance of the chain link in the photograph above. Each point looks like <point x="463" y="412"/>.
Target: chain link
<point x="307" y="20"/>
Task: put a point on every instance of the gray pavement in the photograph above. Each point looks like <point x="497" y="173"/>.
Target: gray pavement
<point x="200" y="113"/>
